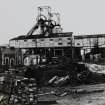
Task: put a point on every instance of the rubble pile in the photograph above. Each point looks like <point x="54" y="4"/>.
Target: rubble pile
<point x="3" y="99"/>
<point x="6" y="84"/>
<point x="58" y="81"/>
<point x="25" y="92"/>
<point x="59" y="73"/>
<point x="96" y="68"/>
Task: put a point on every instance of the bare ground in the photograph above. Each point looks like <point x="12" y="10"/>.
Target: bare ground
<point x="82" y="95"/>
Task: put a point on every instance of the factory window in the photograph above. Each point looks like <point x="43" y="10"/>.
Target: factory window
<point x="33" y="40"/>
<point x="60" y="39"/>
<point x="67" y="51"/>
<point x="59" y="43"/>
<point x="25" y="40"/>
<point x="51" y="39"/>
<point x="12" y="61"/>
<point x="41" y="39"/>
<point x="6" y="61"/>
<point x="58" y="52"/>
<point x="69" y="43"/>
<point x="78" y="43"/>
<point x="69" y="38"/>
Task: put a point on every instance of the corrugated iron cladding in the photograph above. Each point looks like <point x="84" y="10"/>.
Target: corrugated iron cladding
<point x="56" y="40"/>
<point x="89" y="41"/>
<point x="89" y="36"/>
<point x="52" y="40"/>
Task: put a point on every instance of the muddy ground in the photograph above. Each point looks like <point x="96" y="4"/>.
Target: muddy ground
<point x="80" y="95"/>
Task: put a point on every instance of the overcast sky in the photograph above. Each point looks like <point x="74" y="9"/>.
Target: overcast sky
<point x="18" y="16"/>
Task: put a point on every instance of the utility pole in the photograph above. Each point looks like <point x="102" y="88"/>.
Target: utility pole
<point x="72" y="49"/>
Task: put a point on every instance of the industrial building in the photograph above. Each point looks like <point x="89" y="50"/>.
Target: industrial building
<point x="50" y="42"/>
<point x="47" y="56"/>
<point x="91" y="42"/>
<point x="46" y="40"/>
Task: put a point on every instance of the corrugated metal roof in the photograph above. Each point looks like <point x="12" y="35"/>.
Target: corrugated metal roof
<point x="41" y="36"/>
<point x="89" y="36"/>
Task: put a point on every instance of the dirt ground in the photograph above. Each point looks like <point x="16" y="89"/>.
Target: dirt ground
<point x="86" y="99"/>
<point x="80" y="95"/>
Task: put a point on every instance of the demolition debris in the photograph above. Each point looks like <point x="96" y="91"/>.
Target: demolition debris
<point x="49" y="62"/>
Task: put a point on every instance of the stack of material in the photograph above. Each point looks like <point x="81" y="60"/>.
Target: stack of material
<point x="96" y="68"/>
<point x="3" y="99"/>
<point x="59" y="81"/>
<point x="25" y="92"/>
<point x="6" y="84"/>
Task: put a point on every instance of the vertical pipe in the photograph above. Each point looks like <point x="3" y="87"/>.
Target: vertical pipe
<point x="72" y="49"/>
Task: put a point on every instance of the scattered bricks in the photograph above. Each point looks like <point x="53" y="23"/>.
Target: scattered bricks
<point x="64" y="94"/>
<point x="26" y="91"/>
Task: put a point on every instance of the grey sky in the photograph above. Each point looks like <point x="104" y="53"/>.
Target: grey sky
<point x="18" y="16"/>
